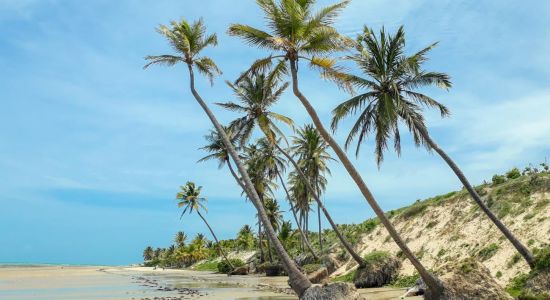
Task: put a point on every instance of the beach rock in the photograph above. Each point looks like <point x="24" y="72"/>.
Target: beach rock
<point x="331" y="262"/>
<point x="240" y="271"/>
<point x="469" y="279"/>
<point x="333" y="291"/>
<point x="318" y="276"/>
<point x="377" y="273"/>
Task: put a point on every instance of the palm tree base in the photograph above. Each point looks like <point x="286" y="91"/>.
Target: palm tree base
<point x="333" y="291"/>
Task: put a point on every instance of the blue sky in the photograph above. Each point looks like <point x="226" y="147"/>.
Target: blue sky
<point x="93" y="148"/>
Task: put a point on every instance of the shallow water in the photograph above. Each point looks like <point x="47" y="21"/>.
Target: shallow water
<point x="47" y="282"/>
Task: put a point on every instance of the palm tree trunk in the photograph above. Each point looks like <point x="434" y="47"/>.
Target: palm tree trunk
<point x="260" y="243"/>
<point x="435" y="285"/>
<point x="319" y="220"/>
<point x="297" y="280"/>
<point x="216" y="239"/>
<point x="304" y="238"/>
<point x="235" y="175"/>
<point x="320" y="205"/>
<point x="524" y="251"/>
<point x="269" y="255"/>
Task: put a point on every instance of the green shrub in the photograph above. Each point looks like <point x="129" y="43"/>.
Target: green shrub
<point x="207" y="266"/>
<point x="499" y="274"/>
<point x="345" y="278"/>
<point x="542" y="258"/>
<point x="488" y="252"/>
<point x="310" y="268"/>
<point x="514" y="260"/>
<point x="498" y="179"/>
<point x="224" y="267"/>
<point x="376" y="257"/>
<point x="405" y="281"/>
<point x="441" y="252"/>
<point x="516" y="285"/>
<point x="513" y="174"/>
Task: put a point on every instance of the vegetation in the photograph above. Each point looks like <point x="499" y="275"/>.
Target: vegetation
<point x="391" y="92"/>
<point x="225" y="268"/>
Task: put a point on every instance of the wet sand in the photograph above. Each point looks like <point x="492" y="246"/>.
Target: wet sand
<point x="95" y="282"/>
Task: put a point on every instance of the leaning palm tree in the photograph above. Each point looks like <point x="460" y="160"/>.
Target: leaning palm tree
<point x="190" y="200"/>
<point x="188" y="40"/>
<point x="311" y="150"/>
<point x="297" y="33"/>
<point x="391" y="97"/>
<point x="257" y="92"/>
<point x="180" y="239"/>
<point x="218" y="151"/>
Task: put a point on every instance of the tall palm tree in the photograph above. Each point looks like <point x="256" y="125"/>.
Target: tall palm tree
<point x="311" y="150"/>
<point x="190" y="200"/>
<point x="391" y="97"/>
<point x="245" y="237"/>
<point x="218" y="151"/>
<point x="297" y="33"/>
<point x="188" y="40"/>
<point x="148" y="253"/>
<point x="257" y="92"/>
<point x="275" y="217"/>
<point x="180" y="239"/>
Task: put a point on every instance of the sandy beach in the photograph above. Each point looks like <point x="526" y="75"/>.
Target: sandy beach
<point x="97" y="282"/>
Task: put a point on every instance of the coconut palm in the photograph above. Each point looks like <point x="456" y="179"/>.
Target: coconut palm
<point x="148" y="253"/>
<point x="180" y="239"/>
<point x="286" y="234"/>
<point x="190" y="200"/>
<point x="391" y="97"/>
<point x="297" y="33"/>
<point x="275" y="218"/>
<point x="218" y="151"/>
<point x="257" y="91"/>
<point x="311" y="150"/>
<point x="245" y="237"/>
<point x="188" y="40"/>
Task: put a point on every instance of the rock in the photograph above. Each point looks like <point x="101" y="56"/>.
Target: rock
<point x="537" y="286"/>
<point x="377" y="272"/>
<point x="333" y="291"/>
<point x="331" y="262"/>
<point x="469" y="279"/>
<point x="240" y="271"/>
<point x="319" y="276"/>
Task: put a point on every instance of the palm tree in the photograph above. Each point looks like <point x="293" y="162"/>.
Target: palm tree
<point x="180" y="239"/>
<point x="218" y="151"/>
<point x="297" y="33"/>
<point x="148" y="253"/>
<point x="190" y="199"/>
<point x="188" y="40"/>
<point x="391" y="97"/>
<point x="275" y="218"/>
<point x="257" y="92"/>
<point x="245" y="237"/>
<point x="311" y="150"/>
<point x="286" y="234"/>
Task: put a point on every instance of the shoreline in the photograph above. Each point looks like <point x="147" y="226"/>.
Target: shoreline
<point x="137" y="282"/>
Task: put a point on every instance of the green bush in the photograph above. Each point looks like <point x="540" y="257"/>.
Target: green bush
<point x="224" y="267"/>
<point x="345" y="278"/>
<point x="206" y="266"/>
<point x="498" y="179"/>
<point x="488" y="252"/>
<point x="405" y="281"/>
<point x="513" y="174"/>
<point x="514" y="260"/>
<point x="516" y="285"/>
<point x="376" y="257"/>
<point x="542" y="259"/>
<point x="310" y="268"/>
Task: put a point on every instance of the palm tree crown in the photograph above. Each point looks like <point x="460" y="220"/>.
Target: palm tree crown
<point x="190" y="199"/>
<point x="188" y="40"/>
<point x="257" y="92"/>
<point x="311" y="150"/>
<point x="215" y="146"/>
<point x="294" y="29"/>
<point x="390" y="97"/>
